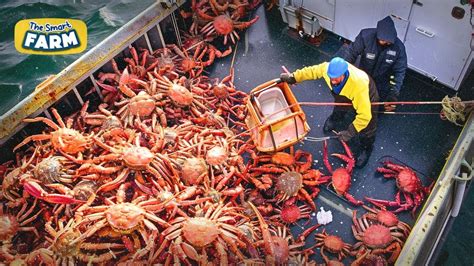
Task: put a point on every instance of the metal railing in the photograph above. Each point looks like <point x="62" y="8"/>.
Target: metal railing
<point x="64" y="87"/>
<point x="445" y="196"/>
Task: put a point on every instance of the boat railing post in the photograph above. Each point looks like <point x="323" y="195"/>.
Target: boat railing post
<point x="460" y="187"/>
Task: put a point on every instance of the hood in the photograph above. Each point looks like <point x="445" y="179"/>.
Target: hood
<point x="386" y="30"/>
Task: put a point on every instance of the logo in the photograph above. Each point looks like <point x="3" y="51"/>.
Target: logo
<point x="370" y="56"/>
<point x="392" y="52"/>
<point x="50" y="36"/>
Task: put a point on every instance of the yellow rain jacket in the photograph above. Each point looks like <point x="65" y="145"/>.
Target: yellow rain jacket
<point x="356" y="89"/>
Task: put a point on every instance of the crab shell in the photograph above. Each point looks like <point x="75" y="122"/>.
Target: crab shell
<point x="62" y="245"/>
<point x="138" y="158"/>
<point x="11" y="183"/>
<point x="407" y="181"/>
<point x="180" y="95"/>
<point x="283" y="158"/>
<point x="8" y="227"/>
<point x="377" y="236"/>
<point x="223" y="24"/>
<point x="290" y="183"/>
<point x="141" y="105"/>
<point x="111" y="122"/>
<point x="49" y="170"/>
<point x="125" y="217"/>
<point x="69" y="141"/>
<point x="282" y="250"/>
<point x="192" y="170"/>
<point x="387" y="218"/>
<point x="216" y="156"/>
<point x="84" y="189"/>
<point x="333" y="244"/>
<point x="290" y="214"/>
<point x="220" y="91"/>
<point x="188" y="64"/>
<point x="341" y="180"/>
<point x="200" y="231"/>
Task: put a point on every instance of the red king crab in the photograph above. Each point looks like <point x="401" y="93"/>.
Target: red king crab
<point x="198" y="44"/>
<point x="387" y="218"/>
<point x="166" y="63"/>
<point x="376" y="238"/>
<point x="190" y="63"/>
<point x="224" y="25"/>
<point x="193" y="170"/>
<point x="341" y="177"/>
<point x="211" y="229"/>
<point x="11" y="224"/>
<point x="140" y="65"/>
<point x="181" y="96"/>
<point x="121" y="218"/>
<point x="109" y="125"/>
<point x="130" y="80"/>
<point x="63" y="139"/>
<point x="408" y="184"/>
<point x="291" y="175"/>
<point x="264" y="206"/>
<point x="279" y="247"/>
<point x="290" y="213"/>
<point x="33" y="177"/>
<point x="333" y="244"/>
<point x="133" y="158"/>
<point x="141" y="106"/>
<point x="60" y="250"/>
<point x="368" y="258"/>
<point x="225" y="98"/>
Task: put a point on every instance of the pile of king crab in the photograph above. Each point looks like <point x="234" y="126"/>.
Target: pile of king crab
<point x="163" y="171"/>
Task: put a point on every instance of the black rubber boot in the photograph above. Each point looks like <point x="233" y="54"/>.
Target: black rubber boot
<point x="367" y="145"/>
<point x="363" y="157"/>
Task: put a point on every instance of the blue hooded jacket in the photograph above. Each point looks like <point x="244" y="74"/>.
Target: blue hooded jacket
<point x="380" y="62"/>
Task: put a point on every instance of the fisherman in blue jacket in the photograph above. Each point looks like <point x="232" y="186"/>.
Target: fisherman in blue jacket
<point x="383" y="57"/>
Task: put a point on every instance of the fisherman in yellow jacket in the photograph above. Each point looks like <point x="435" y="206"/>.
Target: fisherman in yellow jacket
<point x="348" y="84"/>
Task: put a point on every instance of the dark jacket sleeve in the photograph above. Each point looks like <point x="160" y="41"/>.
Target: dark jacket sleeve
<point x="351" y="52"/>
<point x="399" y="69"/>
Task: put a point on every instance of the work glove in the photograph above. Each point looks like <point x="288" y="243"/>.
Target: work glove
<point x="347" y="134"/>
<point x="392" y="96"/>
<point x="288" y="78"/>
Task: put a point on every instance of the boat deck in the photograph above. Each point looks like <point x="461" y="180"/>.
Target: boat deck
<point x="420" y="141"/>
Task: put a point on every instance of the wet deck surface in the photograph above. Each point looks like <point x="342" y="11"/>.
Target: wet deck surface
<point x="420" y="141"/>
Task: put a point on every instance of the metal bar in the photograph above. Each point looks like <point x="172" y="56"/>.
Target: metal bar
<point x="296" y="128"/>
<point x="48" y="115"/>
<point x="176" y="29"/>
<point x="78" y="96"/>
<point x="160" y="33"/>
<point x="273" y="138"/>
<point x="97" y="89"/>
<point x="148" y="43"/>
<point x="83" y="67"/>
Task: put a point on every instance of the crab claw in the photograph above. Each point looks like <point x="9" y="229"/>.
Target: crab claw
<point x="37" y="191"/>
<point x="308" y="231"/>
<point x="267" y="238"/>
<point x="124" y="80"/>
<point x="380" y="203"/>
<point x="325" y="157"/>
<point x="352" y="200"/>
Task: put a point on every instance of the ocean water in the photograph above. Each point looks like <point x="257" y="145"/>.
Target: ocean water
<point x="20" y="73"/>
